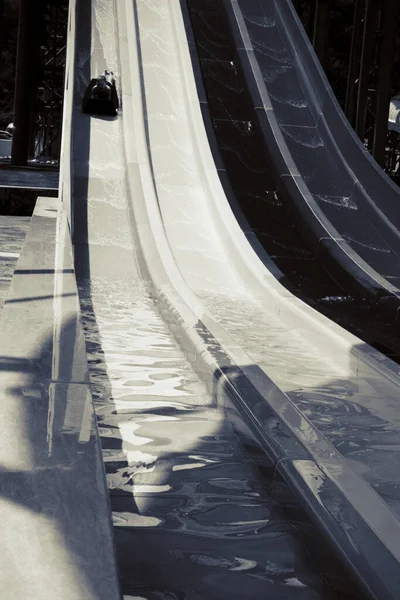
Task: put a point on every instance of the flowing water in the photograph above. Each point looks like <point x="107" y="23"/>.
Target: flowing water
<point x="193" y="516"/>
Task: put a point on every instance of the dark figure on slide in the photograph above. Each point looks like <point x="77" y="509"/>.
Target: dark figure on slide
<point x="104" y="86"/>
<point x="101" y="96"/>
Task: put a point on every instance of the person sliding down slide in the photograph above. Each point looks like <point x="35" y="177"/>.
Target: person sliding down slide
<point x="101" y="96"/>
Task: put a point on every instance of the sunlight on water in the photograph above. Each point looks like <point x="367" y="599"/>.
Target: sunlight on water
<point x="174" y="466"/>
<point x="104" y="12"/>
<point x="284" y="353"/>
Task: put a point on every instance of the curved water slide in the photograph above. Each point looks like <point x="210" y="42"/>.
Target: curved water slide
<point x="172" y="459"/>
<point x="158" y="422"/>
<point x="345" y="206"/>
<point x="147" y="205"/>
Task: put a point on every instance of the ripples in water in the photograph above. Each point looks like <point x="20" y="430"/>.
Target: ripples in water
<point x="193" y="517"/>
<point x="362" y="423"/>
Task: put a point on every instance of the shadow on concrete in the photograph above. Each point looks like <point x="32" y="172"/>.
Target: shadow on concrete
<point x="51" y="474"/>
<point x="49" y="477"/>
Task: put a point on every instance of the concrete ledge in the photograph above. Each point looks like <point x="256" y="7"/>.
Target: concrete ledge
<point x="334" y="495"/>
<point x="56" y="539"/>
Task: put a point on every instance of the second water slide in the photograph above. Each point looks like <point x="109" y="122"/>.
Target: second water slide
<point x="249" y="338"/>
<point x="346" y="208"/>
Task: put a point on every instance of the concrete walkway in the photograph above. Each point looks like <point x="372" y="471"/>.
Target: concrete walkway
<point x="12" y="235"/>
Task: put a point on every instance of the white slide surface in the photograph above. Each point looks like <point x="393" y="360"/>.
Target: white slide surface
<point x="303" y="352"/>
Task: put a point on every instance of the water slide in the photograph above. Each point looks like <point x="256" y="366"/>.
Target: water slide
<point x="213" y="384"/>
<point x="172" y="459"/>
<point x="322" y="195"/>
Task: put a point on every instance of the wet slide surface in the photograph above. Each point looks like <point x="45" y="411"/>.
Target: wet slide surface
<point x="360" y="422"/>
<point x="194" y="515"/>
<point x="252" y="177"/>
<point x="358" y="417"/>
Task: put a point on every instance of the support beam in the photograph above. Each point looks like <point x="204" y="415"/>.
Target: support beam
<point x="28" y="54"/>
<point x="352" y="81"/>
<point x="369" y="36"/>
<point x="321" y="30"/>
<point x="311" y="18"/>
<point x="391" y="10"/>
<point x="2" y="32"/>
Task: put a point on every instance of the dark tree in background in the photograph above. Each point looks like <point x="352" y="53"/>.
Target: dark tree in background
<point x="8" y="50"/>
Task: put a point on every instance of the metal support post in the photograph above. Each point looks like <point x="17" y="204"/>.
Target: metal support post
<point x="369" y="36"/>
<point x="352" y="82"/>
<point x="28" y="55"/>
<point x="321" y="30"/>
<point x="1" y="32"/>
<point x="391" y="10"/>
